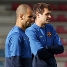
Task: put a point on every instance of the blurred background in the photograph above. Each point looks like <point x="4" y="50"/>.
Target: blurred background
<point x="59" y="21"/>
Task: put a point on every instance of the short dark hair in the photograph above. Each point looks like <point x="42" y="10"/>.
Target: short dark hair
<point x="39" y="7"/>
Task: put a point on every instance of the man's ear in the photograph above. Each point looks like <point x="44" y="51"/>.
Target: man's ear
<point x="21" y="16"/>
<point x="37" y="14"/>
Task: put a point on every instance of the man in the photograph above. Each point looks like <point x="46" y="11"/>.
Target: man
<point x="44" y="40"/>
<point x="17" y="48"/>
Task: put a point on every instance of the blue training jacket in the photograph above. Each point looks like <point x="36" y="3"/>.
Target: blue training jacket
<point x="17" y="49"/>
<point x="45" y="37"/>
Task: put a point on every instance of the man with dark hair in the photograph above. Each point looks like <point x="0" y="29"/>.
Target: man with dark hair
<point x="17" y="48"/>
<point x="44" y="40"/>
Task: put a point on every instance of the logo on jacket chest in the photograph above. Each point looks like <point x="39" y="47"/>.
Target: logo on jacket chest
<point x="49" y="34"/>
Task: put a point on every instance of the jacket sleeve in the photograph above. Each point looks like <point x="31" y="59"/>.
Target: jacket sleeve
<point x="44" y="54"/>
<point x="57" y="49"/>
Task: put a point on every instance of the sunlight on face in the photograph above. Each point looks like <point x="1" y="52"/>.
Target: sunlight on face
<point x="28" y="18"/>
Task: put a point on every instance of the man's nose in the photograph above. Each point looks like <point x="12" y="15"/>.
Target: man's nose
<point x="49" y="16"/>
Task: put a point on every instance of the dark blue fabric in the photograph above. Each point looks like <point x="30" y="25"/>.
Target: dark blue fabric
<point x="57" y="49"/>
<point x="47" y="57"/>
<point x="18" y="61"/>
<point x="44" y="54"/>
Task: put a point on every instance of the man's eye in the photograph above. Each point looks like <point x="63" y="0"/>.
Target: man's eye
<point x="48" y="14"/>
<point x="30" y="16"/>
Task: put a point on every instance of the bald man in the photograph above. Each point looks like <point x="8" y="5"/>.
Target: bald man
<point x="17" y="48"/>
